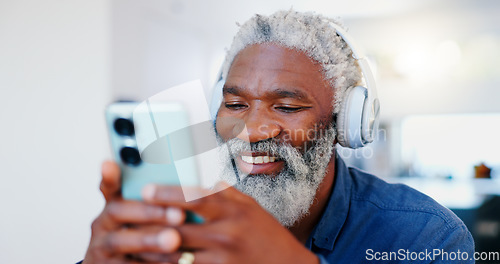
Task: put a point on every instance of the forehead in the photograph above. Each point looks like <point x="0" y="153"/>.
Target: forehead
<point x="262" y="67"/>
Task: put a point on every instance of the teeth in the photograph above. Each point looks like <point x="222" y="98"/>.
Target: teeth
<point x="247" y="159"/>
<point x="258" y="159"/>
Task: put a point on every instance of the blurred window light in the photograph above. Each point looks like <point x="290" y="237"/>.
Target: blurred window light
<point x="448" y="55"/>
<point x="427" y="63"/>
<point x="480" y="57"/>
<point x="447" y="146"/>
<point x="413" y="63"/>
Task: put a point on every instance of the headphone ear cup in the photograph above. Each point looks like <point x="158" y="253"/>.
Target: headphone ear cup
<point x="349" y="119"/>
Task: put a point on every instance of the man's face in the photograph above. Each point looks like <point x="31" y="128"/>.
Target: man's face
<point x="276" y="117"/>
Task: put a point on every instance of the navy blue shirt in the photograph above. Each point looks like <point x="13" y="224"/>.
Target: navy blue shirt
<point x="370" y="221"/>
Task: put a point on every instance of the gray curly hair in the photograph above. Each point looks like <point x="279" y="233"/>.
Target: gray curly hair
<point x="306" y="32"/>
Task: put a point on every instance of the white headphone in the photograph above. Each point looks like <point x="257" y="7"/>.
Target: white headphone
<point x="358" y="118"/>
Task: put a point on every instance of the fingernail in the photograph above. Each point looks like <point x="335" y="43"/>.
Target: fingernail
<point x="148" y="192"/>
<point x="174" y="215"/>
<point x="168" y="240"/>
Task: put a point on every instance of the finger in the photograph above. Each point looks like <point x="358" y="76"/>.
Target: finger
<point x="110" y="183"/>
<point x="197" y="257"/>
<point x="209" y="236"/>
<point x="205" y="257"/>
<point x="228" y="191"/>
<point x="134" y="212"/>
<point x="150" y="257"/>
<point x="130" y="241"/>
<point x="105" y="257"/>
<point x="168" y="195"/>
<point x="226" y="201"/>
<point x="208" y="207"/>
<point x="199" y="236"/>
<point x="221" y="186"/>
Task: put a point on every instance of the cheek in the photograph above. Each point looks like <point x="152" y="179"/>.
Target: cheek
<point x="222" y="129"/>
<point x="299" y="135"/>
<point x="302" y="135"/>
<point x="228" y="127"/>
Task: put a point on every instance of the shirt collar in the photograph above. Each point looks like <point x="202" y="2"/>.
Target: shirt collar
<point x="326" y="231"/>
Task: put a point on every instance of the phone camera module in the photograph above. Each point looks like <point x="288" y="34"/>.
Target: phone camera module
<point x="130" y="156"/>
<point x="124" y="127"/>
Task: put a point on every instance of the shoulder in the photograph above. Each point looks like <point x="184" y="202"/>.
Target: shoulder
<point x="397" y="210"/>
<point x="367" y="188"/>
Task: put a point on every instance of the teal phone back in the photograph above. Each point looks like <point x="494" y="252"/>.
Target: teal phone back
<point x="153" y="124"/>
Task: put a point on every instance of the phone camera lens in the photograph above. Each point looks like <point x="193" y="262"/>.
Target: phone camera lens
<point x="130" y="156"/>
<point x="124" y="127"/>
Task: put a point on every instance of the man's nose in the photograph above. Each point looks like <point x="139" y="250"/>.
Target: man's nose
<point x="258" y="125"/>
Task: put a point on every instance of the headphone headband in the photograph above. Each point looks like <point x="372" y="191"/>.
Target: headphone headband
<point x="359" y="57"/>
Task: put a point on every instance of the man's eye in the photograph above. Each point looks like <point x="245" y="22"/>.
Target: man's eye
<point x="234" y="106"/>
<point x="289" y="109"/>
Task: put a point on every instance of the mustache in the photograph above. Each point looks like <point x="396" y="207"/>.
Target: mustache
<point x="294" y="160"/>
<point x="271" y="146"/>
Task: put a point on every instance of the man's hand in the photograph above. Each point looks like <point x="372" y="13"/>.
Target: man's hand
<point x="236" y="229"/>
<point x="125" y="228"/>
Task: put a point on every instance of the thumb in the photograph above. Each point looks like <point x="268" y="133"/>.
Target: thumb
<point x="110" y="182"/>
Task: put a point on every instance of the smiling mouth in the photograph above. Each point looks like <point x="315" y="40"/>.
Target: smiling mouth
<point x="258" y="159"/>
<point x="259" y="163"/>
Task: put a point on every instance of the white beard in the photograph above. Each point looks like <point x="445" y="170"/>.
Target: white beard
<point x="289" y="195"/>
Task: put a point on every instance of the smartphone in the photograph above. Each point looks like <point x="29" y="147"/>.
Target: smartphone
<point x="146" y="144"/>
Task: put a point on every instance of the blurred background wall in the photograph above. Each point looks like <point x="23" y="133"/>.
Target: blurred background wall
<point x="54" y="83"/>
<point x="61" y="62"/>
